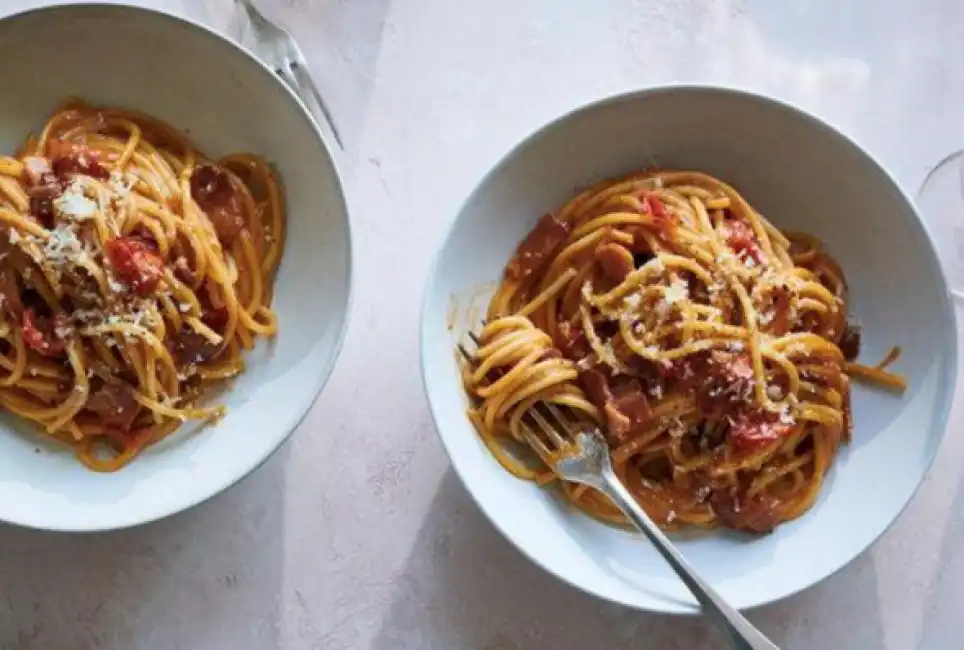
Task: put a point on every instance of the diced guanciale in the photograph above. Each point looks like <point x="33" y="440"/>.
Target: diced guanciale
<point x="114" y="404"/>
<point x="537" y="247"/>
<point x="189" y="347"/>
<point x="615" y="260"/>
<point x="571" y="341"/>
<point x="215" y="318"/>
<point x="624" y="404"/>
<point x="757" y="514"/>
<point x="43" y="187"/>
<point x="752" y="429"/>
<point x="722" y="380"/>
<point x="39" y="334"/>
<point x="212" y="190"/>
<point x="136" y="263"/>
<point x="68" y="158"/>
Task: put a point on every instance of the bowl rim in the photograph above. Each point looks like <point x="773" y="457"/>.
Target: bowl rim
<point x="948" y="317"/>
<point x="297" y="412"/>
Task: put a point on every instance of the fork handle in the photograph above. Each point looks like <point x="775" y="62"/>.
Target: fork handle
<point x="298" y="78"/>
<point x="743" y="635"/>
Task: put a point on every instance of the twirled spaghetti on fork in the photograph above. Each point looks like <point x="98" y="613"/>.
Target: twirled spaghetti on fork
<point x="713" y="350"/>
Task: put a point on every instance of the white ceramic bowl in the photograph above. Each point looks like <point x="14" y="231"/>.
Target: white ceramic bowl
<point x="227" y="101"/>
<point x="802" y="175"/>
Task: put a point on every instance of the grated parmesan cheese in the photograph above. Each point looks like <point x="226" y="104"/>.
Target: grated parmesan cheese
<point x="114" y="285"/>
<point x="121" y="185"/>
<point x="62" y="246"/>
<point x="677" y="291"/>
<point x="73" y="204"/>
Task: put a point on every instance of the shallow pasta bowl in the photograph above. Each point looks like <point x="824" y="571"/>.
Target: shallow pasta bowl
<point x="803" y="176"/>
<point x="226" y="101"/>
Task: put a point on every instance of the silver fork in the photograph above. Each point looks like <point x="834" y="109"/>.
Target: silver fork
<point x="279" y="50"/>
<point x="579" y="453"/>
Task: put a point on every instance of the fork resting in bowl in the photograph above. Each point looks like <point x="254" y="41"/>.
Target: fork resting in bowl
<point x="579" y="454"/>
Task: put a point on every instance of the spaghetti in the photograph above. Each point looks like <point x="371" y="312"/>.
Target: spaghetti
<point x="712" y="349"/>
<point x="133" y="272"/>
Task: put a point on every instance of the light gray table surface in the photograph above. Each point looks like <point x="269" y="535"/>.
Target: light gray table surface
<point x="357" y="534"/>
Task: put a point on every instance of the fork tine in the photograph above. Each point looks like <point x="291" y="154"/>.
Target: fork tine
<point x="465" y="353"/>
<point x="556" y="414"/>
<point x="549" y="430"/>
<point x="537" y="444"/>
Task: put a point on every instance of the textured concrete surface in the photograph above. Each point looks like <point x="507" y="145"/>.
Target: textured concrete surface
<point x="357" y="535"/>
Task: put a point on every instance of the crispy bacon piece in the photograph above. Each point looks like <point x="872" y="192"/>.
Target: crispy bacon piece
<point x="596" y="387"/>
<point x="40" y="333"/>
<point x="615" y="260"/>
<point x="43" y="187"/>
<point x="136" y="263"/>
<point x="189" y="348"/>
<point x="572" y="342"/>
<point x="537" y="247"/>
<point x="210" y="185"/>
<point x="850" y="342"/>
<point x="624" y="404"/>
<point x="630" y="400"/>
<point x="69" y="158"/>
<point x="757" y="428"/>
<point x="759" y="514"/>
<point x="217" y="319"/>
<point x="722" y="380"/>
<point x="212" y="190"/>
<point x="114" y="404"/>
<point x="742" y="240"/>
